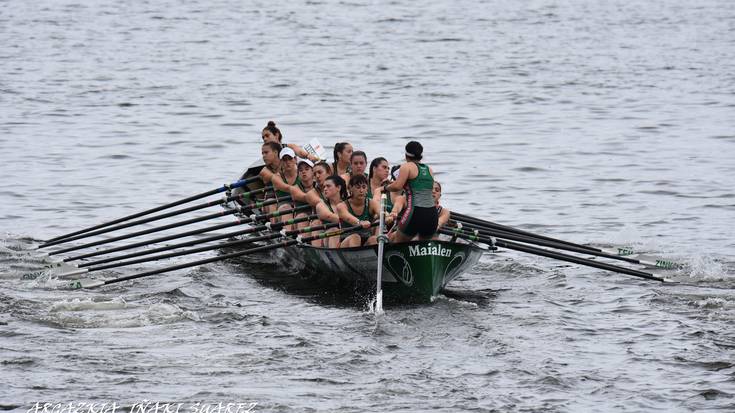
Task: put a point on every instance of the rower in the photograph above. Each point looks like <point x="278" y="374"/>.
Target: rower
<point x="443" y="213"/>
<point x="270" y="151"/>
<point x="272" y="134"/>
<point x="379" y="173"/>
<point x="305" y="184"/>
<point x="417" y="180"/>
<point x="358" y="164"/>
<point x="335" y="191"/>
<point x="358" y="210"/>
<point x="322" y="170"/>
<point x="342" y="153"/>
<point x="285" y="178"/>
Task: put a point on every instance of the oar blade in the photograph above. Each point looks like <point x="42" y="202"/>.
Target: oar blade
<point x="85" y="283"/>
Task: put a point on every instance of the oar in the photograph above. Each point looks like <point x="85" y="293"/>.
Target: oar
<point x="169" y="226"/>
<point x="536" y="241"/>
<point x="559" y="256"/>
<point x="223" y="188"/>
<point x="238" y="221"/>
<point x="156" y="217"/>
<point x="265" y="227"/>
<point x="381" y="245"/>
<point x="54" y="268"/>
<point x="285" y="243"/>
<point x="255" y="218"/>
<point x="621" y="252"/>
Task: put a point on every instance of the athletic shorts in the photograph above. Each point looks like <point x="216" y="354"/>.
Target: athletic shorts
<point x="421" y="221"/>
<point x="363" y="233"/>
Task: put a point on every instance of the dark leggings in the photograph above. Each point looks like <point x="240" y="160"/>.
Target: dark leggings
<point x="421" y="221"/>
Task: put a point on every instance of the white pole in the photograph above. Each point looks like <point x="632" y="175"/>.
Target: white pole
<point x="381" y="243"/>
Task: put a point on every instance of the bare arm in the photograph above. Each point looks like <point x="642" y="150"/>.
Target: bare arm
<point x="297" y="194"/>
<point x="301" y="152"/>
<point x="279" y="183"/>
<point x="443" y="217"/>
<point x="403" y="176"/>
<point x="266" y="175"/>
<point x="324" y="214"/>
<point x="313" y="198"/>
<point x="345" y="215"/>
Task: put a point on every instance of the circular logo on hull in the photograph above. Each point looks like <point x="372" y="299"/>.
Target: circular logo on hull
<point x="454" y="265"/>
<point x="399" y="267"/>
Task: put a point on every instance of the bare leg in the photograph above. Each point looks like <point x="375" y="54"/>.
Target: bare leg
<point x="398" y="236"/>
<point x="351" y="241"/>
<point x="285" y="217"/>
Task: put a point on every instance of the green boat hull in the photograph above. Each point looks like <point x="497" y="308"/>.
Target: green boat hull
<point x="416" y="271"/>
<point x="412" y="272"/>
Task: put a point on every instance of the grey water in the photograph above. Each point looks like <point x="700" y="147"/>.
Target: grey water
<point x="609" y="123"/>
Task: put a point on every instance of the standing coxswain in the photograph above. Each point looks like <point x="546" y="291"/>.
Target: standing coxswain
<point x="416" y="179"/>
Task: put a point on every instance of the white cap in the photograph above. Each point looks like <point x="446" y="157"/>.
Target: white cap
<point x="304" y="160"/>
<point x="287" y="151"/>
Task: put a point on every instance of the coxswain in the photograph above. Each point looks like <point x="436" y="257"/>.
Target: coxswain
<point x="272" y="134"/>
<point x="416" y="179"/>
<point x="358" y="210"/>
<point x="342" y="153"/>
<point x="335" y="191"/>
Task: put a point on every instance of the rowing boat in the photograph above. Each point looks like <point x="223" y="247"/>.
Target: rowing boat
<point x="415" y="271"/>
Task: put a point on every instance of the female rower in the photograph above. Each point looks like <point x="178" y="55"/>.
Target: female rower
<point x="342" y="154"/>
<point x="272" y="134"/>
<point x="443" y="213"/>
<point x="379" y="173"/>
<point x="358" y="163"/>
<point x="270" y="151"/>
<point x="305" y="184"/>
<point x="322" y="170"/>
<point x="358" y="210"/>
<point x="285" y="179"/>
<point x="417" y="180"/>
<point x="335" y="191"/>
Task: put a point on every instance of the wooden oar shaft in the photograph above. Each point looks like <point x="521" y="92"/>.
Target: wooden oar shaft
<point x="154" y="218"/>
<point x="161" y="228"/>
<point x="221" y="189"/>
<point x="559" y="256"/>
<point x="233" y="223"/>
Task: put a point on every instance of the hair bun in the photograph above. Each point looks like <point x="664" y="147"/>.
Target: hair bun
<point x="271" y="124"/>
